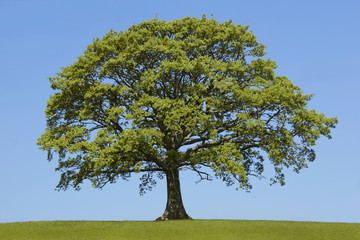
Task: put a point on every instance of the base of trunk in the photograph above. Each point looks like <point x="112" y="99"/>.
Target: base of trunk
<point x="166" y="216"/>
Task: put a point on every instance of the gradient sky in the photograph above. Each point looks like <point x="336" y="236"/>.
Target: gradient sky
<point x="316" y="44"/>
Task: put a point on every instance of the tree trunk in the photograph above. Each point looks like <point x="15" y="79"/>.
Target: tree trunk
<point x="174" y="206"/>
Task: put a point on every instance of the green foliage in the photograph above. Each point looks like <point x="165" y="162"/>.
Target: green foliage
<point x="187" y="94"/>
<point x="195" y="229"/>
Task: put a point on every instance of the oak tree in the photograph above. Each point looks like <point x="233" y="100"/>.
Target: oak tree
<point x="165" y="96"/>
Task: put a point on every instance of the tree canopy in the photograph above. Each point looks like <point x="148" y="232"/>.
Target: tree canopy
<point x="165" y="96"/>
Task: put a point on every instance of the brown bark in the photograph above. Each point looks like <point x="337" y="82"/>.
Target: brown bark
<point x="174" y="207"/>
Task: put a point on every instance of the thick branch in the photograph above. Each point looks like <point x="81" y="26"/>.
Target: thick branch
<point x="210" y="144"/>
<point x="130" y="171"/>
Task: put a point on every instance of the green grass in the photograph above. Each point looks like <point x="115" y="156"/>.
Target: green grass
<point x="195" y="229"/>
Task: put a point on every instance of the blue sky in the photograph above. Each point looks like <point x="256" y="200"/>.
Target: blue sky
<point x="315" y="44"/>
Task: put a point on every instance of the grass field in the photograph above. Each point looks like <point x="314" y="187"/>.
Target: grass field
<point x="195" y="229"/>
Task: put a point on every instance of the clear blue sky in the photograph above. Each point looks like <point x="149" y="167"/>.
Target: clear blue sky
<point x="316" y="44"/>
